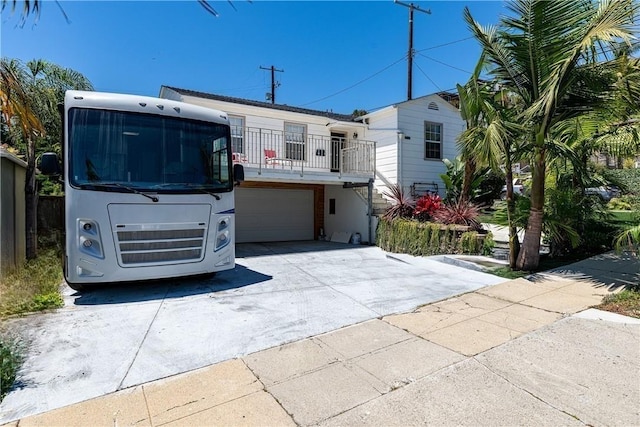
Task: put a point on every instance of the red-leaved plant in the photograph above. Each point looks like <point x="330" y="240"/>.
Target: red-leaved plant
<point x="403" y="204"/>
<point x="426" y="206"/>
<point x="460" y="212"/>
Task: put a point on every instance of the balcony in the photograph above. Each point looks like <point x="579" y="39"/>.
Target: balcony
<point x="289" y="156"/>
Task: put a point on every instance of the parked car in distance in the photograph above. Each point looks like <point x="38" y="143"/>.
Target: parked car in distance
<point x="605" y="192"/>
<point x="518" y="188"/>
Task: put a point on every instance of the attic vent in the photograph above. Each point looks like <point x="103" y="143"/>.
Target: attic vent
<point x="433" y="106"/>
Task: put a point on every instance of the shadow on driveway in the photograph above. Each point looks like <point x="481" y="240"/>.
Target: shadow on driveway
<point x="155" y="290"/>
<point x="609" y="270"/>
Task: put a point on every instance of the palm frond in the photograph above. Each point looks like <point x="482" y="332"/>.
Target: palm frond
<point x="629" y="240"/>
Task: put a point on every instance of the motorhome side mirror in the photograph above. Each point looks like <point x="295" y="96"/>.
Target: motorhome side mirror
<point x="238" y="174"/>
<point x="50" y="164"/>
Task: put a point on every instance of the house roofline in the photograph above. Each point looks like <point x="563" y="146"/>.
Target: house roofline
<point x="261" y="104"/>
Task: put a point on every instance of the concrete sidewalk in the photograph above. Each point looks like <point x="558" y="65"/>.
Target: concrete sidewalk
<point x="523" y="352"/>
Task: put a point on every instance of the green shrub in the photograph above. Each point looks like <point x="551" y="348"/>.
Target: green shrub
<point x="627" y="179"/>
<point x="419" y="238"/>
<point x="10" y="361"/>
<point x="619" y="204"/>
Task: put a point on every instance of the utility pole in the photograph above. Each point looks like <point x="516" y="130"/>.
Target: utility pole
<point x="411" y="7"/>
<point x="273" y="82"/>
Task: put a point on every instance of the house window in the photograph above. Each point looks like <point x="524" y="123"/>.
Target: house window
<point x="237" y="133"/>
<point x="432" y="140"/>
<point x="294" y="135"/>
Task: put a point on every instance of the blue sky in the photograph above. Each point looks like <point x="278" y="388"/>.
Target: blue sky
<point x="336" y="55"/>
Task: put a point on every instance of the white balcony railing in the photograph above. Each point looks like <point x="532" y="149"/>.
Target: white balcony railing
<point x="268" y="150"/>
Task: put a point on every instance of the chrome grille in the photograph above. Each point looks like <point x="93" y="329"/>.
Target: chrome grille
<point x="160" y="246"/>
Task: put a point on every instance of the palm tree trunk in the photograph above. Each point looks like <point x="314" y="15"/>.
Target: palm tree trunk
<point x="514" y="242"/>
<point x="469" y="171"/>
<point x="529" y="257"/>
<point x="31" y="202"/>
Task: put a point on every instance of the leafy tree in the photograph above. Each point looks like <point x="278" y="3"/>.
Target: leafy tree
<point x="30" y="95"/>
<point x="555" y="57"/>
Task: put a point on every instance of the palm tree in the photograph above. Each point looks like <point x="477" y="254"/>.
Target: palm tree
<point x="549" y="54"/>
<point x="18" y="111"/>
<point x="34" y="7"/>
<point x="490" y="138"/>
<point x="29" y="97"/>
<point x="629" y="240"/>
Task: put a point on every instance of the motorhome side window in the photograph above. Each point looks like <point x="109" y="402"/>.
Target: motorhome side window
<point x="220" y="161"/>
<point x="146" y="151"/>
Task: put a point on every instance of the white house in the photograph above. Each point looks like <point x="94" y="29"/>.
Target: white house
<point x="310" y="172"/>
<point x="412" y="138"/>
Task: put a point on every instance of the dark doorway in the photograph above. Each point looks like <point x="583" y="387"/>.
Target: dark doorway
<point x="337" y="144"/>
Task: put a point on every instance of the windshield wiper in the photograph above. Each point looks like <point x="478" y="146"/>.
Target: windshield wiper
<point x="188" y="185"/>
<point x="203" y="190"/>
<point x="117" y="184"/>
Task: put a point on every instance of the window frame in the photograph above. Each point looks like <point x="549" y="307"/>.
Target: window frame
<point x="291" y="151"/>
<point x="235" y="137"/>
<point x="428" y="149"/>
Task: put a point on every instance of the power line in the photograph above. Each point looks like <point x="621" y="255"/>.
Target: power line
<point x="355" y="84"/>
<point x="445" y="64"/>
<point x="445" y="44"/>
<point x="387" y="67"/>
<point x="429" y="78"/>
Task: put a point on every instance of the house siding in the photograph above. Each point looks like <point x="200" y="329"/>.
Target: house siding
<point x="383" y="128"/>
<point x="411" y="117"/>
<point x="350" y="214"/>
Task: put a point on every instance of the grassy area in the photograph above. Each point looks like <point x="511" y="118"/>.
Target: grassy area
<point x="32" y="287"/>
<point x="627" y="217"/>
<point x="626" y="303"/>
<point x="10" y="360"/>
<point x="508" y="273"/>
<point x="546" y="263"/>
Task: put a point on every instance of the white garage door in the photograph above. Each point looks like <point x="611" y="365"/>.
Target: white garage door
<point x="273" y="215"/>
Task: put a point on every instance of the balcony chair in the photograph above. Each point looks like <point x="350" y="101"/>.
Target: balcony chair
<point x="272" y="159"/>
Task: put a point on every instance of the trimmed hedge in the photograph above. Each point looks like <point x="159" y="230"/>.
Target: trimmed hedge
<point x="426" y="238"/>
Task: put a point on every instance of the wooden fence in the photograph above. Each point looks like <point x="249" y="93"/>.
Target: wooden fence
<point x="50" y="214"/>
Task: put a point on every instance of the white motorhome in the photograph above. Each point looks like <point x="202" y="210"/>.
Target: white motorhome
<point x="148" y="189"/>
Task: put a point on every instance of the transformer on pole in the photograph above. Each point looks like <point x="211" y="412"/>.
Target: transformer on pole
<point x="411" y="7"/>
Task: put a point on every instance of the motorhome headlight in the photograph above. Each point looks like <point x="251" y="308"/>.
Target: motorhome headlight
<point x="222" y="240"/>
<point x="89" y="240"/>
<point x="222" y="233"/>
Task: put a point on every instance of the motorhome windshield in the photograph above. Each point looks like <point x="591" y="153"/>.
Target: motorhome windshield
<point x="146" y="152"/>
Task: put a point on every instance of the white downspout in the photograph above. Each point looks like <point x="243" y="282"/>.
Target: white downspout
<point x="400" y="138"/>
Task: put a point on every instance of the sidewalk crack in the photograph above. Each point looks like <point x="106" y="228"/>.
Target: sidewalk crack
<point x="540" y="399"/>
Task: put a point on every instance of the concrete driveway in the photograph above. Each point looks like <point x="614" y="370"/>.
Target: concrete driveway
<point x="115" y="338"/>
